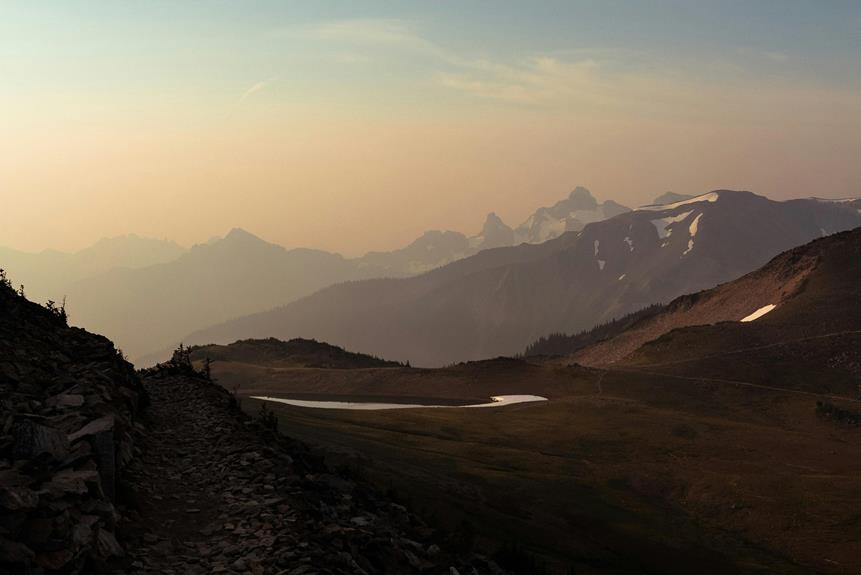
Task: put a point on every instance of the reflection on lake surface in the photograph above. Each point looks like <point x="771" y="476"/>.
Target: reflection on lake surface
<point x="496" y="401"/>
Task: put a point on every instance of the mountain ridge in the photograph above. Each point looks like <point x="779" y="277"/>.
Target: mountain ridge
<point x="497" y="302"/>
<point x="146" y="308"/>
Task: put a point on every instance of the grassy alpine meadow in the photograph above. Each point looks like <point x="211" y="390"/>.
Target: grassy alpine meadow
<point x="617" y="473"/>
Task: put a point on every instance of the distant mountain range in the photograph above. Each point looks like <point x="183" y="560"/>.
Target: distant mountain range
<point x="569" y="215"/>
<point x="46" y="274"/>
<point x="437" y="248"/>
<point x="238" y="274"/>
<point x="499" y="300"/>
<point x="146" y="294"/>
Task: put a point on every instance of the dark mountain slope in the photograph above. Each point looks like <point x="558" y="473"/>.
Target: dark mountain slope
<point x="561" y="344"/>
<point x="810" y="340"/>
<point x="497" y="302"/>
<point x="772" y="284"/>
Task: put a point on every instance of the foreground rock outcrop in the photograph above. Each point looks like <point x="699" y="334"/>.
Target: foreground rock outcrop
<point x="68" y="402"/>
<point x="105" y="470"/>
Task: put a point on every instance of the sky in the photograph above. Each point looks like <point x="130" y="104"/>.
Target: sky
<point x="352" y="126"/>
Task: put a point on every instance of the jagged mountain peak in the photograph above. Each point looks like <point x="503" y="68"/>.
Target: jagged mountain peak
<point x="492" y="221"/>
<point x="611" y="208"/>
<point x="240" y="234"/>
<point x="494" y="233"/>
<point x="571" y="214"/>
<point x="238" y="238"/>
<point x="580" y="199"/>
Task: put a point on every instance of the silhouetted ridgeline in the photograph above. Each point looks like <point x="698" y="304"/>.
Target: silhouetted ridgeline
<point x="297" y="352"/>
<point x="68" y="402"/>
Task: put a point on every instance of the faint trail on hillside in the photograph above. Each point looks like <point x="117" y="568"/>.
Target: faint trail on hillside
<point x="734" y="382"/>
<point x="756" y="348"/>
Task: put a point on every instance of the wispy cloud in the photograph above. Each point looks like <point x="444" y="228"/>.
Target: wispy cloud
<point x="387" y="34"/>
<point x="258" y="87"/>
<point x="776" y="56"/>
<point x="366" y="30"/>
<point x="534" y="79"/>
<point x="582" y="82"/>
<point x="349" y="58"/>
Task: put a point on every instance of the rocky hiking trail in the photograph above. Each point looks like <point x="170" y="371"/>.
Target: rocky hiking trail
<point x="215" y="492"/>
<point x="104" y="469"/>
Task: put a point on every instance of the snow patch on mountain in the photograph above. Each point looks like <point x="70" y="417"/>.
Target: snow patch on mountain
<point x="662" y="224"/>
<point x="695" y="225"/>
<point x="709" y="197"/>
<point x="693" y="231"/>
<point x="759" y="313"/>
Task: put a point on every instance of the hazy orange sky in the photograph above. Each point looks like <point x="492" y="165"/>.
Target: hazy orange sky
<point x="353" y="128"/>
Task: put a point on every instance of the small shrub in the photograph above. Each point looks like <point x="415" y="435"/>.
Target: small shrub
<point x="178" y="364"/>
<point x="828" y="410"/>
<point x="59" y="311"/>
<point x="267" y="417"/>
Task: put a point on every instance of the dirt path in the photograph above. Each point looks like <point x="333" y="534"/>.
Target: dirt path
<point x="754" y="348"/>
<point x="701" y="379"/>
<point x="213" y="492"/>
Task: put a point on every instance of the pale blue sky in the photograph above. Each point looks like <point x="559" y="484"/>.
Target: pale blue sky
<point x="377" y="104"/>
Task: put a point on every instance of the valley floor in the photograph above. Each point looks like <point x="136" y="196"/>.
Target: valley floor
<point x="621" y="472"/>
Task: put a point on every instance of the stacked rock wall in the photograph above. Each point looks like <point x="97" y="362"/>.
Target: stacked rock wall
<point x="68" y="401"/>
